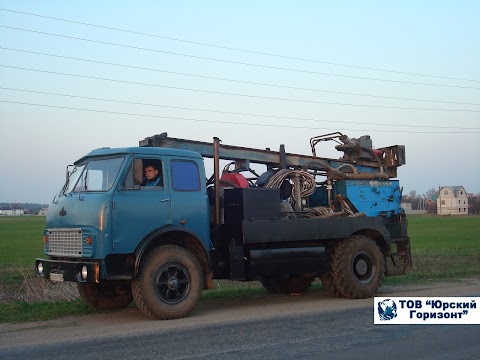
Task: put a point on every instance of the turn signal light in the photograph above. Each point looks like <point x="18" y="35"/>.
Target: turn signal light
<point x="89" y="240"/>
<point x="45" y="239"/>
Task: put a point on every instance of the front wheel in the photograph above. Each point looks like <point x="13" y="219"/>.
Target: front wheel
<point x="169" y="283"/>
<point x="357" y="267"/>
<point x="106" y="295"/>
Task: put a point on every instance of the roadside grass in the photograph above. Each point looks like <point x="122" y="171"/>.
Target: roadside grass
<point x="443" y="248"/>
<point x="21" y="311"/>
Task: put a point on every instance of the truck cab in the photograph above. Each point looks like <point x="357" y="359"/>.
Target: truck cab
<point x="105" y="218"/>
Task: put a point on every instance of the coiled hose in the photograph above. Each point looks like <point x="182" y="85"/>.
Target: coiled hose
<point x="307" y="182"/>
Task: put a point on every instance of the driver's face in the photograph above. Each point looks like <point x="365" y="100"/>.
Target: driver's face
<point x="150" y="173"/>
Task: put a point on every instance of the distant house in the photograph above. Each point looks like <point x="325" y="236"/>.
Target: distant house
<point x="43" y="212"/>
<point x="8" y="211"/>
<point x="452" y="200"/>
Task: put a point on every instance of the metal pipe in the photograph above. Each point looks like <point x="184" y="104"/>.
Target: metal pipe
<point x="283" y="158"/>
<point x="216" y="174"/>
<point x="366" y="176"/>
<point x="334" y="173"/>
<point x="329" y="192"/>
<point x="229" y="152"/>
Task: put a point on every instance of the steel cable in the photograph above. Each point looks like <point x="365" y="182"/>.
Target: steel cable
<point x="306" y="180"/>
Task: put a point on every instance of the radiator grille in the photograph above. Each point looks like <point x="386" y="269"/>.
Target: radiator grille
<point x="65" y="242"/>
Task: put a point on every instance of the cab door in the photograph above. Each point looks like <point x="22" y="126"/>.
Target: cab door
<point x="189" y="200"/>
<point x="138" y="210"/>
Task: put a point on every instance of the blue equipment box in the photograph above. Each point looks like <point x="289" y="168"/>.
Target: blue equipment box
<point x="372" y="197"/>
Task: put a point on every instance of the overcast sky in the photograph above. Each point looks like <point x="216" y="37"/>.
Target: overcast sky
<point x="76" y="76"/>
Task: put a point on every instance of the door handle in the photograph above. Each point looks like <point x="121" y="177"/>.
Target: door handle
<point x="164" y="200"/>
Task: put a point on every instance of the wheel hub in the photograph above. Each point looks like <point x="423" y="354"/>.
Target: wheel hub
<point x="361" y="267"/>
<point x="172" y="283"/>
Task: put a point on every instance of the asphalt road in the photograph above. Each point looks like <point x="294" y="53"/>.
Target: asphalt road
<point x="311" y="326"/>
<point x="343" y="334"/>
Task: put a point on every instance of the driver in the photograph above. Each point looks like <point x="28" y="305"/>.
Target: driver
<point x="152" y="177"/>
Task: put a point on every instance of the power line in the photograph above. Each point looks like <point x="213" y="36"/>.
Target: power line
<point x="233" y="80"/>
<point x="232" y="113"/>
<point x="236" y="62"/>
<point x="235" y="94"/>
<point x="231" y="122"/>
<point x="238" y="49"/>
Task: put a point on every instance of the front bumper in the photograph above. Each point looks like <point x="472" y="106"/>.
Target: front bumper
<point x="62" y="270"/>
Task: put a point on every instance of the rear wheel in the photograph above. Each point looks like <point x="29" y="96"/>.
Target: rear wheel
<point x="357" y="267"/>
<point x="106" y="295"/>
<point x="287" y="284"/>
<point x="326" y="277"/>
<point x="169" y="283"/>
<point x="329" y="285"/>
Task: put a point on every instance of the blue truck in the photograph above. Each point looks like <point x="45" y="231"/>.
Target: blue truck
<point x="283" y="219"/>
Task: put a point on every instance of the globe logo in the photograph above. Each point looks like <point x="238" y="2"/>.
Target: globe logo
<point x="387" y="309"/>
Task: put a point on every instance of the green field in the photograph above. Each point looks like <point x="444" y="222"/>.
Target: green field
<point x="442" y="248"/>
<point x="429" y="232"/>
<point x="20" y="240"/>
<point x="445" y="246"/>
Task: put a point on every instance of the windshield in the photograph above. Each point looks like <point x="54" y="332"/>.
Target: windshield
<point x="73" y="178"/>
<point x="95" y="175"/>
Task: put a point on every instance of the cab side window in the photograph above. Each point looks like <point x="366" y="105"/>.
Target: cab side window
<point x="144" y="174"/>
<point x="185" y="176"/>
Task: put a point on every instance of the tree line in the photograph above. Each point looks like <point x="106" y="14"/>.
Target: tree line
<point x="28" y="208"/>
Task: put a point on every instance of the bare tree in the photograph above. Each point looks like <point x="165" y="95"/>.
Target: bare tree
<point x="474" y="204"/>
<point x="431" y="194"/>
<point x="431" y="206"/>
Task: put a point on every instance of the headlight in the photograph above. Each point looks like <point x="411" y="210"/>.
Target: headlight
<point x="40" y="269"/>
<point x="84" y="272"/>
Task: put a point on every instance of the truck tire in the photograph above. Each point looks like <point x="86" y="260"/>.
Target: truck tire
<point x="357" y="267"/>
<point x="106" y="295"/>
<point x="287" y="284"/>
<point x="329" y="285"/>
<point x="169" y="283"/>
<point x="326" y="277"/>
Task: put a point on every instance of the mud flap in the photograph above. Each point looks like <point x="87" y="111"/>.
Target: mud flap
<point x="399" y="260"/>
